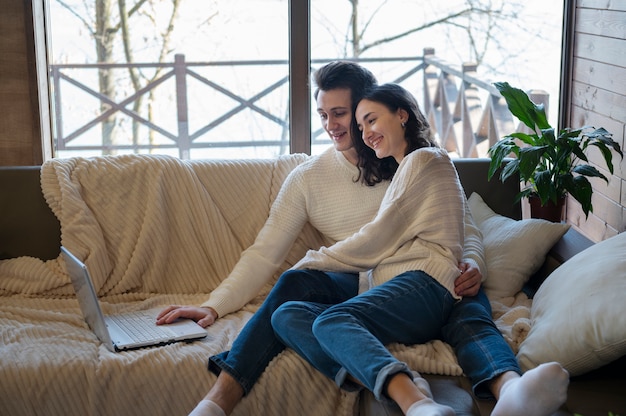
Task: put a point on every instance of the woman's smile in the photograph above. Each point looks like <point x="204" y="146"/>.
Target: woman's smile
<point x="374" y="142"/>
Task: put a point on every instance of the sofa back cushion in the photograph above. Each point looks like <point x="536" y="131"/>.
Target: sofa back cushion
<point x="157" y="224"/>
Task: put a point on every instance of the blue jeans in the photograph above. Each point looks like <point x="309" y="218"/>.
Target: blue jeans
<point x="257" y="345"/>
<point x="480" y="348"/>
<point x="350" y="337"/>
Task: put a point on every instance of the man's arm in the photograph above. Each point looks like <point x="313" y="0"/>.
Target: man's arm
<point x="257" y="264"/>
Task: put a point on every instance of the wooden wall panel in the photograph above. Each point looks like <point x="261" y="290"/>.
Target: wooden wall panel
<point x="20" y="139"/>
<point x="603" y="4"/>
<point x="601" y="49"/>
<point x="599" y="74"/>
<point x="598" y="98"/>
<point x="606" y="23"/>
<point x="603" y="102"/>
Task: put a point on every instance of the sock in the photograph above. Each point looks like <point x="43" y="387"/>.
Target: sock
<point x="427" y="407"/>
<point x="538" y="392"/>
<point x="422" y="384"/>
<point x="207" y="408"/>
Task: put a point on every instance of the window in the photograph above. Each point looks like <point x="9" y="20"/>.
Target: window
<point x="221" y="78"/>
<point x="177" y="77"/>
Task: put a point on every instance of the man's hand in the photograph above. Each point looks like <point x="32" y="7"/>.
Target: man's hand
<point x="468" y="283"/>
<point x="203" y="316"/>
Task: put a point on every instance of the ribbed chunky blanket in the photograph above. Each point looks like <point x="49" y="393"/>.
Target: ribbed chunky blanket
<point x="154" y="231"/>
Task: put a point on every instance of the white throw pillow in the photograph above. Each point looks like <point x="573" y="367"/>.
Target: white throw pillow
<point x="514" y="250"/>
<point x="579" y="314"/>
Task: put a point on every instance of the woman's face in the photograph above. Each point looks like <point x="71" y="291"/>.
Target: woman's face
<point x="335" y="110"/>
<point x="382" y="129"/>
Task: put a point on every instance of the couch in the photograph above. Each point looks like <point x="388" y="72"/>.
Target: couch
<point x="155" y="230"/>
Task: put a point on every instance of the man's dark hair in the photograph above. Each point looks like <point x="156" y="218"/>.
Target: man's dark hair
<point x="358" y="79"/>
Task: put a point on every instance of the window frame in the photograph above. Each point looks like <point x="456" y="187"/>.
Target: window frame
<point x="300" y="76"/>
<point x="36" y="22"/>
<point x="300" y="129"/>
<point x="299" y="15"/>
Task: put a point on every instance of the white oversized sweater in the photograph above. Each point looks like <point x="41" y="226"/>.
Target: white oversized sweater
<point x="419" y="226"/>
<point x="323" y="192"/>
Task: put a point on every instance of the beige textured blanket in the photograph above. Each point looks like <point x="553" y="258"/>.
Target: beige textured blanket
<point x="155" y="231"/>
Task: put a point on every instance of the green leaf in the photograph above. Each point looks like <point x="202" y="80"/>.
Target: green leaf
<point x="590" y="171"/>
<point x="600" y="134"/>
<point x="529" y="158"/>
<point x="579" y="153"/>
<point x="524" y="194"/>
<point x="543" y="184"/>
<point x="509" y="169"/>
<point x="530" y="139"/>
<point x="581" y="190"/>
<point x="531" y="114"/>
<point x="569" y="133"/>
<point x="606" y="153"/>
<point x="548" y="137"/>
<point x="498" y="152"/>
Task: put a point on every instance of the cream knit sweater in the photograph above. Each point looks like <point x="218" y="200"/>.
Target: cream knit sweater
<point x="322" y="191"/>
<point x="419" y="226"/>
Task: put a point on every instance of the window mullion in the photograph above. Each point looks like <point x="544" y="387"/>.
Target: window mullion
<point x="299" y="76"/>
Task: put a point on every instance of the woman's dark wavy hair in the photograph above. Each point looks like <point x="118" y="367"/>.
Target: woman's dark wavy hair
<point x="352" y="76"/>
<point x="417" y="131"/>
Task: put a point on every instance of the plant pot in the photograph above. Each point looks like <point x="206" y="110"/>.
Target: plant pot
<point x="550" y="211"/>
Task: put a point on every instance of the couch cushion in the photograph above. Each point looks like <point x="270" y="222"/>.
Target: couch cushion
<point x="156" y="224"/>
<point x="578" y="314"/>
<point x="514" y="250"/>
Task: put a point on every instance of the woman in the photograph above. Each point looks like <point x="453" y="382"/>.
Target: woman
<point x="413" y="248"/>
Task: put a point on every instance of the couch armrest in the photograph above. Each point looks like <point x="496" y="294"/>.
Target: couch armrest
<point x="27" y="225"/>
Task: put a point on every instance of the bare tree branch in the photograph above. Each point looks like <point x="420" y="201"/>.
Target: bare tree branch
<point x="367" y="24"/>
<point x="86" y="24"/>
<point x="416" y="29"/>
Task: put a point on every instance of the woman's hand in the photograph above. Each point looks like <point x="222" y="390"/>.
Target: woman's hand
<point x="203" y="316"/>
<point x="468" y="283"/>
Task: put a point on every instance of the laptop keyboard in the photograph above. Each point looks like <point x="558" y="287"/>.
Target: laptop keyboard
<point x="137" y="324"/>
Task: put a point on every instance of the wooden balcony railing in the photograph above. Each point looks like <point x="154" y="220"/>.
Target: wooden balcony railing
<point x="466" y="112"/>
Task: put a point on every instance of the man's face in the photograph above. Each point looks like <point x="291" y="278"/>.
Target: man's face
<point x="335" y="110"/>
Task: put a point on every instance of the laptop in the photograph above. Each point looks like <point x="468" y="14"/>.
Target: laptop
<point x="124" y="331"/>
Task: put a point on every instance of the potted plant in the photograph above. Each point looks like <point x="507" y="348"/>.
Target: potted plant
<point x="548" y="163"/>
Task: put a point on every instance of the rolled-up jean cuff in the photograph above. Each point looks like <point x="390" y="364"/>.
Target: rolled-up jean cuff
<point x="482" y="388"/>
<point x="217" y="364"/>
<point x="341" y="379"/>
<point x="383" y="376"/>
